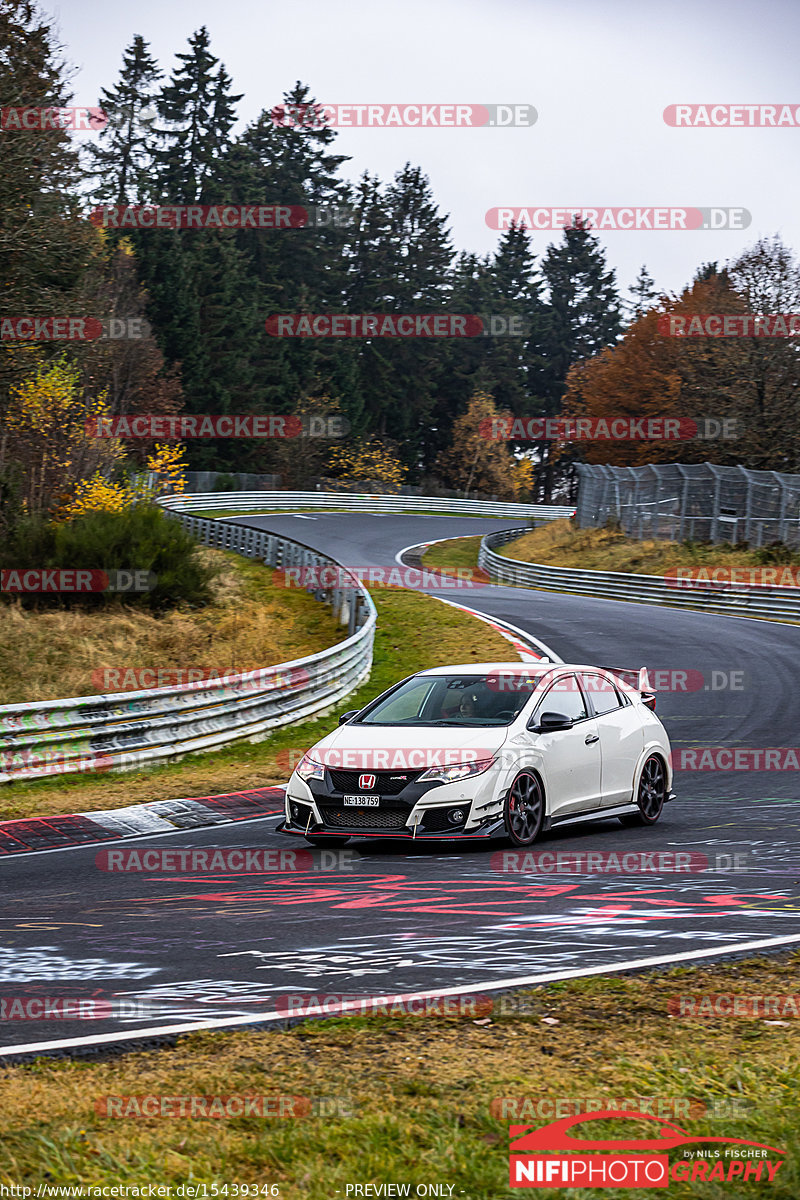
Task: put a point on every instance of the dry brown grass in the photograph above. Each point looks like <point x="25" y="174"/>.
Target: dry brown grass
<point x="414" y="632"/>
<point x="560" y="544"/>
<point x="52" y="654"/>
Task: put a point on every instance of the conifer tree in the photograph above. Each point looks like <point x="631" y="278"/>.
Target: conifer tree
<point x="121" y="156"/>
<point x="643" y="294"/>
<point x="583" y="317"/>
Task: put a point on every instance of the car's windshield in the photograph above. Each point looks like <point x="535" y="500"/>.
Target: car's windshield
<point x="477" y="700"/>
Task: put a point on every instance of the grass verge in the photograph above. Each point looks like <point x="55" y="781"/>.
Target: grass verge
<point x="51" y="654"/>
<point x="454" y="552"/>
<point x="414" y="632"/>
<point x="560" y="544"/>
<point x="417" y="1100"/>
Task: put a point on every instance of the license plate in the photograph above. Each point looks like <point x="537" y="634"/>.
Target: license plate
<point x="362" y="801"/>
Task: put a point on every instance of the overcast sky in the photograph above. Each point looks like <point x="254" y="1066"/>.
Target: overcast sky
<point x="599" y="73"/>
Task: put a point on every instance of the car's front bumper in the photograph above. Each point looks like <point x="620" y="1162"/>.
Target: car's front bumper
<point x="419" y="810"/>
<point x="493" y="828"/>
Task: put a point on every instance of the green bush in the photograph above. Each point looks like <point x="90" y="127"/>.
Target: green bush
<point x="776" y="552"/>
<point x="141" y="538"/>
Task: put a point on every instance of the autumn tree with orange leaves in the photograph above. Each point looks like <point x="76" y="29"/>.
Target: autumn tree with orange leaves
<point x="753" y="382"/>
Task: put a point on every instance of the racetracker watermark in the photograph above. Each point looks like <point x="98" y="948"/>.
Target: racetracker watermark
<point x="664" y="679"/>
<point x="74" y="581"/>
<point x="737" y="758"/>
<point x="623" y="862"/>
<point x="600" y="429"/>
<point x="72" y="329"/>
<point x="720" y="578"/>
<point x="730" y="1004"/>
<point x="72" y="1008"/>
<point x="33" y="119"/>
<point x="236" y="859"/>
<point x="121" y="679"/>
<point x="396" y="325"/>
<point x="31" y="764"/>
<point x="219" y="1107"/>
<point x="733" y="325"/>
<point x="239" y="425"/>
<point x="732" y="116"/>
<point x="618" y="219"/>
<point x="221" y="216"/>
<point x="390" y="758"/>
<point x="323" y="578"/>
<point x="309" y="1004"/>
<point x="403" y="116"/>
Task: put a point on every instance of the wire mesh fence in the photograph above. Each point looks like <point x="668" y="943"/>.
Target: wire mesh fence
<point x="700" y="502"/>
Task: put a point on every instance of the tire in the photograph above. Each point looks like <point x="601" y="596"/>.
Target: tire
<point x="651" y="794"/>
<point x="326" y="843"/>
<point x="523" y="810"/>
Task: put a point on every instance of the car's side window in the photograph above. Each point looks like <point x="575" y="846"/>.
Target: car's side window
<point x="604" y="695"/>
<point x="564" y="696"/>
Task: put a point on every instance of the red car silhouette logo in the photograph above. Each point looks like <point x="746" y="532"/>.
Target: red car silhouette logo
<point x="556" y="1136"/>
<point x="365" y="782"/>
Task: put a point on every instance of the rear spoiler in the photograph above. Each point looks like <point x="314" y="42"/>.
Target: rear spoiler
<point x="638" y="678"/>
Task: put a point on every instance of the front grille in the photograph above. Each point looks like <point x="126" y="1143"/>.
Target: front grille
<point x="386" y="782"/>
<point x="365" y="818"/>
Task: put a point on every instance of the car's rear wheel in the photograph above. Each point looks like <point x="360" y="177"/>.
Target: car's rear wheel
<point x="326" y="842"/>
<point x="651" y="794"/>
<point x="523" y="811"/>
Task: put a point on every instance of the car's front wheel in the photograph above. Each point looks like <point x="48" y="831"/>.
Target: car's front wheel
<point x="325" y="842"/>
<point x="651" y="794"/>
<point x="523" y="811"/>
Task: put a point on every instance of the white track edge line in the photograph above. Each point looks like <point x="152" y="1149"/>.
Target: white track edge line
<point x="344" y="1009"/>
<point x="523" y="633"/>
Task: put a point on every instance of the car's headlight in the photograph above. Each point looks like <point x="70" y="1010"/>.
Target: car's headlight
<point x="457" y="771"/>
<point x="309" y="768"/>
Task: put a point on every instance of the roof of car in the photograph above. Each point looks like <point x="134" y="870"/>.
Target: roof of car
<point x="519" y="668"/>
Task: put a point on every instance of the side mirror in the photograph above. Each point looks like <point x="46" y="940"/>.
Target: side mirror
<point x="549" y="722"/>
<point x="345" y="717"/>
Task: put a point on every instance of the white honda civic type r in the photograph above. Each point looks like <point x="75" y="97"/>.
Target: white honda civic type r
<point x="486" y="750"/>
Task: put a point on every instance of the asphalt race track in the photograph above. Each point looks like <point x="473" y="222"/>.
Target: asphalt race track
<point x="167" y="948"/>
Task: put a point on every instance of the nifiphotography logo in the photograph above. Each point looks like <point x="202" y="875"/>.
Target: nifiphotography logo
<point x="595" y="1162"/>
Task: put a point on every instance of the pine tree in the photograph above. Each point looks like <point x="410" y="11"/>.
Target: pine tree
<point x="294" y="270"/>
<point x="516" y="290"/>
<point x="643" y="294"/>
<point x="406" y="269"/>
<point x="582" y="318"/>
<point x="45" y="246"/>
<point x="121" y="158"/>
<point x="197" y="112"/>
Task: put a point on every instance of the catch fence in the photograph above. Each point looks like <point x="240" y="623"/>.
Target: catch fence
<point x="699" y="502"/>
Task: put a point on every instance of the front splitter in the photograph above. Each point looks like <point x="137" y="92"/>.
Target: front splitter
<point x="496" y="829"/>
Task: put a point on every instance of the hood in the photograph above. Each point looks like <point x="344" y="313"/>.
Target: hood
<point x="382" y="747"/>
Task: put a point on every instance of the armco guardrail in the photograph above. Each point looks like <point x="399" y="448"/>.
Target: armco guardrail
<point x="362" y="502"/>
<point x="129" y="729"/>
<point x="777" y="604"/>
